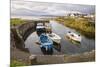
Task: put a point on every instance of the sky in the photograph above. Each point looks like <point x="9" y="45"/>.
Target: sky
<point x="32" y="8"/>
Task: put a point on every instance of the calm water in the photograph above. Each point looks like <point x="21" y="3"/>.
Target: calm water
<point x="66" y="46"/>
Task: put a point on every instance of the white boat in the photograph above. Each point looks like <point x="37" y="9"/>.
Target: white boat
<point x="56" y="38"/>
<point x="74" y="36"/>
<point x="40" y="26"/>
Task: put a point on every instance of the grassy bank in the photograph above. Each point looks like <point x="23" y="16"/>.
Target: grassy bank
<point x="83" y="25"/>
<point x="15" y="63"/>
<point x="16" y="21"/>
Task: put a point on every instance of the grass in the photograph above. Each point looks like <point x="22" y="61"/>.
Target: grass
<point x="83" y="25"/>
<point x="15" y="63"/>
<point x="16" y="21"/>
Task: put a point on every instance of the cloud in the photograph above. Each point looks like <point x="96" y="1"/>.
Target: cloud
<point x="30" y="8"/>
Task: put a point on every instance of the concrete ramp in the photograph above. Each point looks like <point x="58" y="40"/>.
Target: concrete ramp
<point x="56" y="59"/>
<point x="47" y="59"/>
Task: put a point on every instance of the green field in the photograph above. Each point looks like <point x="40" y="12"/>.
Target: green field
<point x="82" y="25"/>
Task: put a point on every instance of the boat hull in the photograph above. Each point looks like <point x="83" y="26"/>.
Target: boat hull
<point x="56" y="38"/>
<point x="74" y="37"/>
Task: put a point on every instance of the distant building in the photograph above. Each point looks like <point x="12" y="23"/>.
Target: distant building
<point x="89" y="16"/>
<point x="76" y="15"/>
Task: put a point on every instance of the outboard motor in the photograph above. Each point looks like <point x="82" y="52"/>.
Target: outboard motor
<point x="48" y="48"/>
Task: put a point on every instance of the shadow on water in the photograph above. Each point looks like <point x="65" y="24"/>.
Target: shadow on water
<point x="48" y="52"/>
<point x="57" y="46"/>
<point x="76" y="43"/>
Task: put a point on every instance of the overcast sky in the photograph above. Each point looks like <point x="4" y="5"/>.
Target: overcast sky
<point x="31" y="8"/>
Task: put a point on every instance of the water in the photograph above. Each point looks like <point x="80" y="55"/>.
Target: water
<point x="66" y="46"/>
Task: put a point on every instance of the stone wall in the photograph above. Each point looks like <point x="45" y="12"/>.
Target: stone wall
<point x="17" y="40"/>
<point x="20" y="33"/>
<point x="18" y="36"/>
<point x="26" y="29"/>
<point x="58" y="59"/>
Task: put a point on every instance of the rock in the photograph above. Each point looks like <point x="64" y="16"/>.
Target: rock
<point x="33" y="59"/>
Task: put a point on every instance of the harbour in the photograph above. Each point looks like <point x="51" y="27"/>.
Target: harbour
<point x="65" y="47"/>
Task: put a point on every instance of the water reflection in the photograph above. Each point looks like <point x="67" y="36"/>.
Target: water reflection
<point x="57" y="46"/>
<point x="48" y="52"/>
<point x="76" y="43"/>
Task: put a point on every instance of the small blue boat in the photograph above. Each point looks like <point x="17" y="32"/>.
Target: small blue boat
<point x="46" y="42"/>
